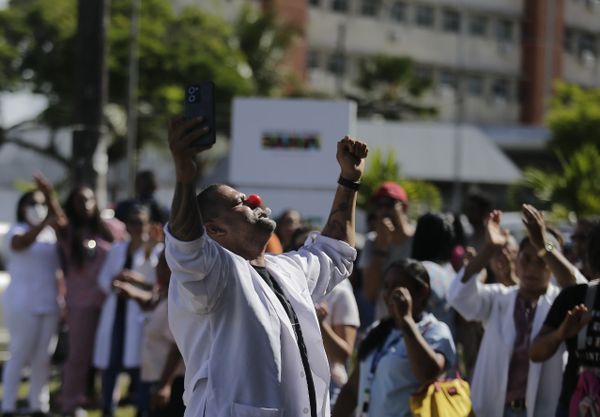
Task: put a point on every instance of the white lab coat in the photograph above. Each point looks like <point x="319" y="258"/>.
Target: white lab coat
<point x="494" y="306"/>
<point x="239" y="348"/>
<point x="134" y="320"/>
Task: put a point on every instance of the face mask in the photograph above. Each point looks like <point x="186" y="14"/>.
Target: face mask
<point x="36" y="214"/>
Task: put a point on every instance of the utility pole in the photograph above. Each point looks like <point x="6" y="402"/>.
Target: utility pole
<point x="89" y="159"/>
<point x="340" y="57"/>
<point x="459" y="118"/>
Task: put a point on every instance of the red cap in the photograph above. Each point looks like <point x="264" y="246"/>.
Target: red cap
<point x="391" y="190"/>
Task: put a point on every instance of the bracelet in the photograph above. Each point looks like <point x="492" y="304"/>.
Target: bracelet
<point x="353" y="185"/>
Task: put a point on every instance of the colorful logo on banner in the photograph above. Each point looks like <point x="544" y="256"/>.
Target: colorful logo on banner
<point x="291" y="141"/>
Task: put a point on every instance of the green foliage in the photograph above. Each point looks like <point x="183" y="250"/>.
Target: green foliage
<point x="391" y="89"/>
<point x="264" y="41"/>
<point x="379" y="169"/>
<point x="37" y="53"/>
<point x="574" y="118"/>
<point x="37" y="39"/>
<point x="423" y="196"/>
<point x="576" y="188"/>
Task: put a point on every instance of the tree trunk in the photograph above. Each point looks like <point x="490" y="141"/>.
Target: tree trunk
<point x="89" y="160"/>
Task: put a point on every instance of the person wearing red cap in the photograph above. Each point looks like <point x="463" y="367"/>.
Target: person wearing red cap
<point x="244" y="320"/>
<point x="390" y="241"/>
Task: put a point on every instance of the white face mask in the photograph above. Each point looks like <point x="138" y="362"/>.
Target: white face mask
<point x="36" y="214"/>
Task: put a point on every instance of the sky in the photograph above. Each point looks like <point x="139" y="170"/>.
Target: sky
<point x="17" y="107"/>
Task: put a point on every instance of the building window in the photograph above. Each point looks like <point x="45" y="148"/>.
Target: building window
<point x="339" y="5"/>
<point x="475" y="85"/>
<point x="451" y="21"/>
<point x="569" y="41"/>
<point x="586" y="45"/>
<point x="504" y="30"/>
<point x="370" y="7"/>
<point x="312" y="59"/>
<point x="425" y="16"/>
<point x="501" y="89"/>
<point x="478" y="26"/>
<point x="336" y="63"/>
<point x="398" y="11"/>
<point x="449" y="80"/>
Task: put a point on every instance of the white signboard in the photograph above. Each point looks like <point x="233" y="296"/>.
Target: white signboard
<point x="284" y="149"/>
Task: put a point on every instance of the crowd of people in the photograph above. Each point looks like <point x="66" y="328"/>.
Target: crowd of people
<point x="226" y="312"/>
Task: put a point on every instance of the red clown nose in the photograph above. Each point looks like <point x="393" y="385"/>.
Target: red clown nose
<point x="254" y="200"/>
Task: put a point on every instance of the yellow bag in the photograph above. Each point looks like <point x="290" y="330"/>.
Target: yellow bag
<point x="446" y="398"/>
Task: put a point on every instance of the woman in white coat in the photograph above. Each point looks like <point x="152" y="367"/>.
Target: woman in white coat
<point x="119" y="334"/>
<point x="505" y="382"/>
<point x="31" y="300"/>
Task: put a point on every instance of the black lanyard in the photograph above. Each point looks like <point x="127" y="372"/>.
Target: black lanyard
<point x="379" y="354"/>
<point x="287" y="306"/>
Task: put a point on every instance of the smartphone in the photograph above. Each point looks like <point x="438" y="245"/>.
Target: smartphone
<point x="200" y="101"/>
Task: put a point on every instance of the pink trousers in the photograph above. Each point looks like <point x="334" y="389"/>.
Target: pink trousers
<point x="82" y="322"/>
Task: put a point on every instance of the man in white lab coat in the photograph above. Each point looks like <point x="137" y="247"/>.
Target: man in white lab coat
<point x="245" y="321"/>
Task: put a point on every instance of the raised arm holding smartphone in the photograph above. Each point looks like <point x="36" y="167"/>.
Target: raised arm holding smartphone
<point x="243" y="357"/>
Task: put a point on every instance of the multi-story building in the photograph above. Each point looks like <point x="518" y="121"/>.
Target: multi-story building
<point x="490" y="61"/>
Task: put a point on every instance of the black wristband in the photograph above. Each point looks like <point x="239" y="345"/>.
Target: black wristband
<point x="353" y="185"/>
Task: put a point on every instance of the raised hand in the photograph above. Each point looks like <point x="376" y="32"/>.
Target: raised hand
<point x="494" y="234"/>
<point x="56" y="217"/>
<point x="535" y="224"/>
<point x="42" y="184"/>
<point x="385" y="231"/>
<point x="401" y="301"/>
<point x="183" y="136"/>
<point x="351" y="155"/>
<point x="574" y="321"/>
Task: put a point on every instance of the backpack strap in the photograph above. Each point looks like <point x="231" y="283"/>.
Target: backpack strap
<point x="590" y="298"/>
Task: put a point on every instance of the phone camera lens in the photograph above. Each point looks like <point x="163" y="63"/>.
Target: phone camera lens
<point x="192" y="90"/>
<point x="191" y="99"/>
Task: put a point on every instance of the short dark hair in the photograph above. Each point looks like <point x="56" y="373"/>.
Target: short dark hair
<point x="593" y="248"/>
<point x="137" y="209"/>
<point x="145" y="181"/>
<point x="481" y="200"/>
<point x="411" y="268"/>
<point x="208" y="202"/>
<point x="433" y="239"/>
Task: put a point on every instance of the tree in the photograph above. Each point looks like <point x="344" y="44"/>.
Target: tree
<point x="264" y="40"/>
<point x="424" y="196"/>
<point x="574" y="118"/>
<point x="391" y="89"/>
<point x="575" y="188"/>
<point x="37" y="53"/>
